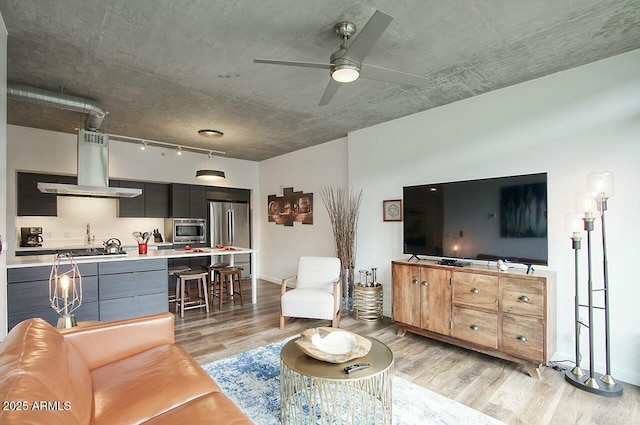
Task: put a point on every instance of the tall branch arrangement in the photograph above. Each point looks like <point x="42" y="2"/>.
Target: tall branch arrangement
<point x="343" y="208"/>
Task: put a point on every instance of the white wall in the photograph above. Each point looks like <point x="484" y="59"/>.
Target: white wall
<point x="567" y="124"/>
<point x="37" y="150"/>
<point x="308" y="170"/>
<point x="3" y="173"/>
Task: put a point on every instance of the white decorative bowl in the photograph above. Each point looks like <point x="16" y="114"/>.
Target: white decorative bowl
<point x="333" y="345"/>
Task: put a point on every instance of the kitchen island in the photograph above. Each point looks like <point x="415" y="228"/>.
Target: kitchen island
<point x="114" y="286"/>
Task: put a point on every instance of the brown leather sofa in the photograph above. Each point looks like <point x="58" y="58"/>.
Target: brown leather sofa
<point x="121" y="372"/>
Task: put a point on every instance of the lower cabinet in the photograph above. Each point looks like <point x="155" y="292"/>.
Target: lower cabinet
<point x="508" y="315"/>
<point x="132" y="288"/>
<point x="110" y="290"/>
<point x="28" y="294"/>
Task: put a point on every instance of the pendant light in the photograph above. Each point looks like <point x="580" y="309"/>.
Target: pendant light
<point x="209" y="175"/>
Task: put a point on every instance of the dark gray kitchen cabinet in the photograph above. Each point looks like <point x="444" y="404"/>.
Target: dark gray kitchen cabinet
<point x="28" y="294"/>
<point x="130" y="207"/>
<point x="132" y="288"/>
<point x="188" y="201"/>
<point x="197" y="201"/>
<point x="228" y="194"/>
<point x="156" y="200"/>
<point x="179" y="200"/>
<point x="32" y="202"/>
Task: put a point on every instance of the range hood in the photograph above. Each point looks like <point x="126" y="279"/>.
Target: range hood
<point x="93" y="171"/>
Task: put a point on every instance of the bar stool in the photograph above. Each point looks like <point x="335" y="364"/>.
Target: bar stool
<point x="172" y="272"/>
<point x="184" y="280"/>
<point x="213" y="277"/>
<point x="230" y="281"/>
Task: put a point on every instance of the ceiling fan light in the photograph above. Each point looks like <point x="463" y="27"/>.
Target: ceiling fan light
<point x="209" y="174"/>
<point x="345" y="73"/>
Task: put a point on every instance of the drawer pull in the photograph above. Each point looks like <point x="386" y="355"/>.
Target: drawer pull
<point x="523" y="298"/>
<point x="474" y="327"/>
<point x="425" y="283"/>
<point x="414" y="281"/>
<point x="475" y="290"/>
<point x="521" y="338"/>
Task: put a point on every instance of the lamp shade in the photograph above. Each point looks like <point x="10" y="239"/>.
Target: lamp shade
<point x="600" y="184"/>
<point x="574" y="225"/>
<point x="586" y="204"/>
<point x="65" y="288"/>
<point x="209" y="174"/>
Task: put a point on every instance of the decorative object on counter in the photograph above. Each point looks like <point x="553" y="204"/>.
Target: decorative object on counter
<point x="290" y="207"/>
<point x="333" y="345"/>
<point x="65" y="289"/>
<point x="501" y="265"/>
<point x="392" y="210"/>
<point x="343" y="208"/>
<point x="592" y="204"/>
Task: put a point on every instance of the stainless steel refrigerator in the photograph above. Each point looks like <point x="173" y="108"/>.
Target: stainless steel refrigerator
<point x="229" y="226"/>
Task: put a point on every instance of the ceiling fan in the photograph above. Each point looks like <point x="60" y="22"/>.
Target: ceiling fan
<point x="346" y="63"/>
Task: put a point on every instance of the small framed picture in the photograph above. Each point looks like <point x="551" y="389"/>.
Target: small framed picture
<point x="392" y="210"/>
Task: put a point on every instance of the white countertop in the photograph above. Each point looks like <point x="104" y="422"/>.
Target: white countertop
<point x="73" y="246"/>
<point x="47" y="260"/>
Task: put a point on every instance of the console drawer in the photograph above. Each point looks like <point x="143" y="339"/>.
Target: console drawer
<point x="523" y="337"/>
<point x="475" y="290"/>
<point x="520" y="296"/>
<point x="475" y="326"/>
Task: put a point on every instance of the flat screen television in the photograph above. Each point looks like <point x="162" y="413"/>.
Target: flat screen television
<point x="487" y="219"/>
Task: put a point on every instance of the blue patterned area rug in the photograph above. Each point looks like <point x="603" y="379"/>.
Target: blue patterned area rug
<point x="252" y="380"/>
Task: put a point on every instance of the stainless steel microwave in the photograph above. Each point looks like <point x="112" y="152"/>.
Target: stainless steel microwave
<point x="189" y="230"/>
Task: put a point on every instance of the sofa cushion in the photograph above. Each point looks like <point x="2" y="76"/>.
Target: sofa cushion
<point x="26" y="401"/>
<point x="37" y="349"/>
<point x="140" y="387"/>
<point x="214" y="408"/>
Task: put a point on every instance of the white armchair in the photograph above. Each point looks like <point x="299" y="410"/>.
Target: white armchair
<point x="316" y="294"/>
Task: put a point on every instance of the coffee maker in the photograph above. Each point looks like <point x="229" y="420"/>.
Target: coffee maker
<point x="30" y="236"/>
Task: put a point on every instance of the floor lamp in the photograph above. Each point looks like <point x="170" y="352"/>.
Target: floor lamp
<point x="594" y="203"/>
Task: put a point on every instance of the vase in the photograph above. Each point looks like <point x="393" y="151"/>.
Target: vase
<point x="348" y="277"/>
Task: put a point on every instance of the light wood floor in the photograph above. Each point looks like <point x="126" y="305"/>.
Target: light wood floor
<point x="495" y="387"/>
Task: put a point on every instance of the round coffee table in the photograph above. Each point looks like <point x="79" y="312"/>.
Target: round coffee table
<point x="313" y="391"/>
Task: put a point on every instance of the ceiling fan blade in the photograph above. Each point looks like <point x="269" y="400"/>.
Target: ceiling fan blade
<point x="294" y="63"/>
<point x="329" y="92"/>
<point x="378" y="73"/>
<point x="368" y="36"/>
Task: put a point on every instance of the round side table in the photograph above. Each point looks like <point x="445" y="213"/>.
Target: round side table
<point x="313" y="391"/>
<point x="367" y="304"/>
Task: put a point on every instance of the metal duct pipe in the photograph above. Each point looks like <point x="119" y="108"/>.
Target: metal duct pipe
<point x="59" y="100"/>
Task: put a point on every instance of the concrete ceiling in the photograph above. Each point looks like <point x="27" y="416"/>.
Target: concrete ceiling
<point x="164" y="68"/>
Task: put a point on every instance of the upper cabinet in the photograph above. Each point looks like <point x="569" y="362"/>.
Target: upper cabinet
<point x="154" y="201"/>
<point x="33" y="202"/>
<point x="188" y="201"/>
<point x="198" y="202"/>
<point x="179" y="200"/>
<point x="158" y="200"/>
